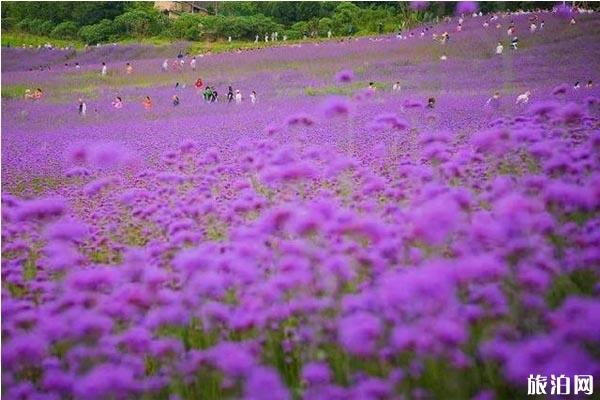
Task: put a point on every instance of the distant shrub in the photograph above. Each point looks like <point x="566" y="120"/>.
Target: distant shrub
<point x="64" y="30"/>
<point x="25" y="24"/>
<point x="140" y="23"/>
<point x="325" y="24"/>
<point x="185" y="27"/>
<point x="97" y="33"/>
<point x="9" y="23"/>
<point x="45" y="28"/>
<point x="292" y="34"/>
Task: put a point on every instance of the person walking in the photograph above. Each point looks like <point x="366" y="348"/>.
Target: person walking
<point x="494" y="101"/>
<point x="175" y="100"/>
<point x="82" y="107"/>
<point x="523" y="98"/>
<point x="128" y="69"/>
<point x="499" y="49"/>
<point x="238" y="97"/>
<point x="193" y="63"/>
<point x="253" y="98"/>
<point x="230" y="95"/>
<point x="147" y="103"/>
<point x="104" y="71"/>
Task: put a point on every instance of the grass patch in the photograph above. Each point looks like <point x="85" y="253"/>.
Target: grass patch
<point x="17" y="39"/>
<point x="13" y="91"/>
<point x="345" y="90"/>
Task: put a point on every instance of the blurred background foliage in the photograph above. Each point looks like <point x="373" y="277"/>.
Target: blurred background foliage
<point x="104" y="21"/>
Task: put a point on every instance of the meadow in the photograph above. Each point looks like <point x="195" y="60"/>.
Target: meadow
<point x="331" y="241"/>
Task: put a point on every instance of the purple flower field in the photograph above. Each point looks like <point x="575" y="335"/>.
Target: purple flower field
<point x="331" y="241"/>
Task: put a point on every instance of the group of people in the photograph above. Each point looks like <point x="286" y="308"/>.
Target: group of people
<point x="524" y="97"/>
<point x="36" y="95"/>
<point x="209" y="94"/>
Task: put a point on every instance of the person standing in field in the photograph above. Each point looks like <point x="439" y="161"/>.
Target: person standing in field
<point x="253" y="98"/>
<point x="193" y="63"/>
<point x="165" y="65"/>
<point x="77" y="66"/>
<point x="82" y="107"/>
<point x="147" y="103"/>
<point x="128" y="69"/>
<point x="532" y="27"/>
<point x="104" y="69"/>
<point x="499" y="49"/>
<point x="514" y="43"/>
<point x="198" y="85"/>
<point x="208" y="94"/>
<point x="37" y="94"/>
<point x="238" y="97"/>
<point x="230" y="95"/>
<point x="523" y="98"/>
<point x="494" y="101"/>
<point x="117" y="103"/>
<point x="396" y="87"/>
<point x="175" y="100"/>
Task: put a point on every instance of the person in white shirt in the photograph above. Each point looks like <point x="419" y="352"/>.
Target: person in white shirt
<point x="238" y="97"/>
<point x="444" y="57"/>
<point x="329" y="34"/>
<point x="532" y="28"/>
<point x="104" y="69"/>
<point x="499" y="48"/>
<point x="494" y="101"/>
<point x="576" y="85"/>
<point x="165" y="65"/>
<point x="523" y="98"/>
<point x="193" y="63"/>
<point x="256" y="39"/>
<point x="266" y="38"/>
<point x="396" y="87"/>
<point x="253" y="97"/>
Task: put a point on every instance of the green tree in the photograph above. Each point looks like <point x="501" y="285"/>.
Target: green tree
<point x="65" y="30"/>
<point x="103" y="31"/>
<point x="140" y="23"/>
<point x="325" y="24"/>
<point x="345" y="18"/>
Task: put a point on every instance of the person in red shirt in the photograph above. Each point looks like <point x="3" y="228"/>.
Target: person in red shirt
<point x="198" y="84"/>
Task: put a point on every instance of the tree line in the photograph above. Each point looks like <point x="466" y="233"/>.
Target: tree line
<point x="103" y="21"/>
